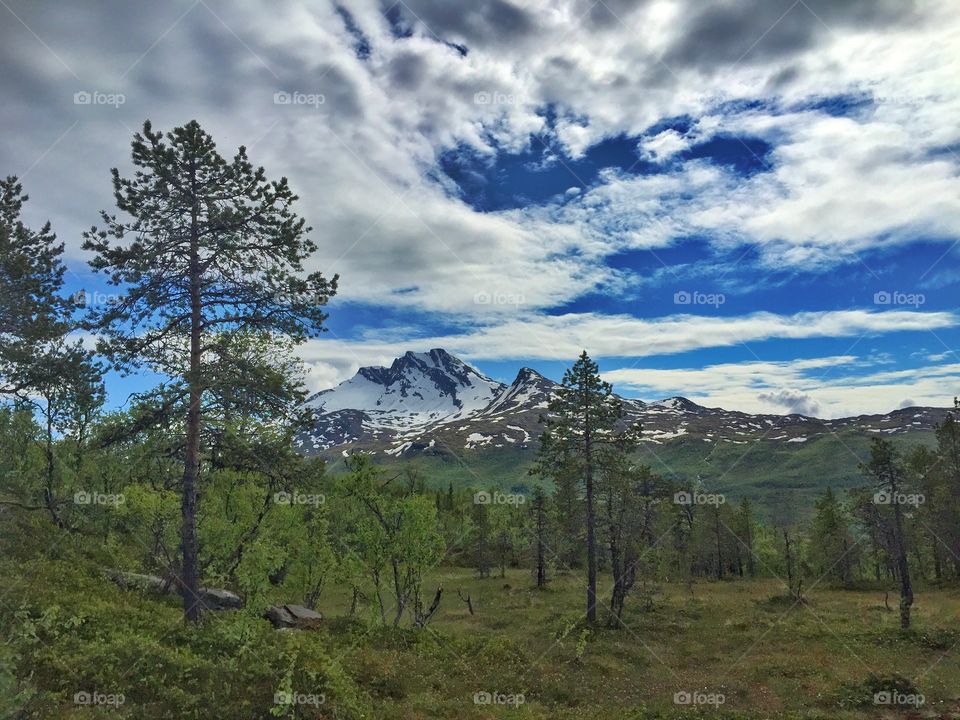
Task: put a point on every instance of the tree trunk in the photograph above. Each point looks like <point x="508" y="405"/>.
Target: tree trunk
<point x="49" y="494"/>
<point x="541" y="559"/>
<point x="591" y="530"/>
<point x="190" y="582"/>
<point x="906" y="589"/>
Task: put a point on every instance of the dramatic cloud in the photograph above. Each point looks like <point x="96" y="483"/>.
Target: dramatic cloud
<point x="764" y="143"/>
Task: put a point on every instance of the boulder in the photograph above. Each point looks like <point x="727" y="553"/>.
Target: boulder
<point x="220" y="599"/>
<point x="279" y="616"/>
<point x="140" y="581"/>
<point x="296" y="617"/>
<point x="210" y="598"/>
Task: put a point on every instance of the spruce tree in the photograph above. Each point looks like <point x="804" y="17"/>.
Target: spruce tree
<point x="207" y="247"/>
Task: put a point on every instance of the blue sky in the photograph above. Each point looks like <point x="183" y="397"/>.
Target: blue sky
<point x="755" y="205"/>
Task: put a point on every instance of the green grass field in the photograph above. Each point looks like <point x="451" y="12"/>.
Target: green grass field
<point x="767" y="657"/>
<point x="65" y="629"/>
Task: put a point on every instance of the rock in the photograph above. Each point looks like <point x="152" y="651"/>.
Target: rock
<point x="139" y="581"/>
<point x="304" y="616"/>
<point x="210" y="598"/>
<point x="293" y="616"/>
<point x="220" y="599"/>
<point x="280" y="617"/>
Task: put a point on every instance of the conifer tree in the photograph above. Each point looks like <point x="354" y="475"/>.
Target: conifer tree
<point x="584" y="421"/>
<point x="207" y="247"/>
<point x="885" y="469"/>
<point x="832" y="544"/>
<point x="32" y="311"/>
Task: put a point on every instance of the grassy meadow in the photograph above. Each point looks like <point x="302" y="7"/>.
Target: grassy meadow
<point x="524" y="653"/>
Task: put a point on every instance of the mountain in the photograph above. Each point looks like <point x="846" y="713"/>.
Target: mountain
<point x="465" y="426"/>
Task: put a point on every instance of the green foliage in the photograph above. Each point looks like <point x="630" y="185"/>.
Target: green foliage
<point x="395" y="534"/>
<point x="32" y="312"/>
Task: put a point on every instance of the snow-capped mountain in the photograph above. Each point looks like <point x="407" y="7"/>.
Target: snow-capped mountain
<point x="434" y="404"/>
<point x="418" y="389"/>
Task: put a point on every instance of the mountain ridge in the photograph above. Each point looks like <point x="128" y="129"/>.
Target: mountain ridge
<point x="433" y="403"/>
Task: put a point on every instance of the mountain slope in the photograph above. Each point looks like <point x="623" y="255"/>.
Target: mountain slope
<point x="461" y="425"/>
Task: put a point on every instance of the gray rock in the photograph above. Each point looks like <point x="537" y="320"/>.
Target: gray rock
<point x="210" y="598"/>
<point x="220" y="599"/>
<point x="140" y="581"/>
<point x="293" y="616"/>
<point x="280" y="617"/>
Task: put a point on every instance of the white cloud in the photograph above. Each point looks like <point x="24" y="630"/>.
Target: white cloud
<point x="825" y="387"/>
<point x="364" y="163"/>
<point x="563" y="337"/>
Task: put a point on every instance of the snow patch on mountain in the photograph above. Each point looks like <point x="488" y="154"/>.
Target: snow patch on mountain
<point x="418" y="389"/>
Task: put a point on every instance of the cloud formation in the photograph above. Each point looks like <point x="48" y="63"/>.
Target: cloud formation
<point x="855" y="103"/>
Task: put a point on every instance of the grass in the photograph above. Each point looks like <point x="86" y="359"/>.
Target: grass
<point x="64" y="628"/>
<point x="768" y="658"/>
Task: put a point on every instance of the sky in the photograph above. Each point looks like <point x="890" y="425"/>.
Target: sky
<point x="753" y="204"/>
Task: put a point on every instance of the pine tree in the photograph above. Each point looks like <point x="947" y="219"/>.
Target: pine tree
<point x="539" y="510"/>
<point x="584" y="421"/>
<point x="38" y="365"/>
<point x="32" y="312"/>
<point x="885" y="469"/>
<point x="211" y="248"/>
<point x="831" y="541"/>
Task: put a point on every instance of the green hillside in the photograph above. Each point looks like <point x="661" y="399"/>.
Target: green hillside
<point x="783" y="478"/>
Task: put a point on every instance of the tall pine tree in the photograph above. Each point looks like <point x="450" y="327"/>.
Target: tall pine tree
<point x="208" y="247"/>
<point x="584" y="420"/>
